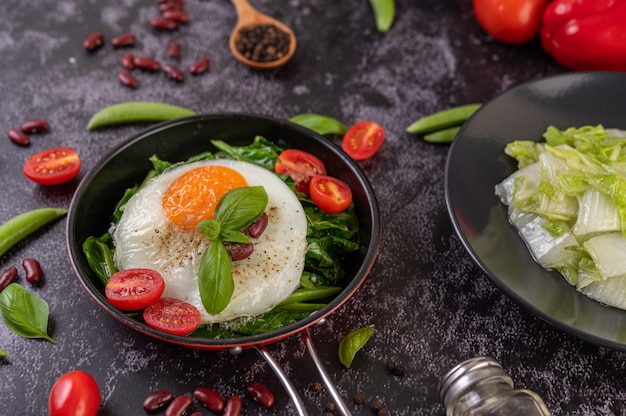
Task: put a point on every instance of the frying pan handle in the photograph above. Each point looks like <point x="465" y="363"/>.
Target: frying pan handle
<point x="308" y="342"/>
<point x="284" y="379"/>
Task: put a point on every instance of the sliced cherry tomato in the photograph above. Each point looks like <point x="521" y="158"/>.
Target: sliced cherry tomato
<point x="134" y="289"/>
<point x="301" y="166"/>
<point x="173" y="316"/>
<point x="330" y="194"/>
<point x="52" y="166"/>
<point x="510" y="21"/>
<point x="363" y="139"/>
<point x="75" y="393"/>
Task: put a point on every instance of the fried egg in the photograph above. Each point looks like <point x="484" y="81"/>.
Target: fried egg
<point x="158" y="230"/>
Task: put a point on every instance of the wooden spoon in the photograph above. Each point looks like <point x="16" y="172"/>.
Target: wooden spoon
<point x="248" y="16"/>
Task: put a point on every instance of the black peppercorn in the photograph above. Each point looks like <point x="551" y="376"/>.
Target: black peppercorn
<point x="263" y="43"/>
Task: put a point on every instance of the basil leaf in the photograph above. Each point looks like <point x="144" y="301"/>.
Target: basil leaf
<point x="98" y="252"/>
<point x="215" y="279"/>
<point x="261" y="152"/>
<point x="3" y="354"/>
<point x="234" y="236"/>
<point x="320" y="124"/>
<point x="352" y="343"/>
<point x="24" y="313"/>
<point x="210" y="228"/>
<point x="239" y="207"/>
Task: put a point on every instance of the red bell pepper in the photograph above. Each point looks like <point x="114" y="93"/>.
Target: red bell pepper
<point x="586" y="35"/>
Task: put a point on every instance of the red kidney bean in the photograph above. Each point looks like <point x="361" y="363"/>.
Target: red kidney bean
<point x="121" y="41"/>
<point x="178" y="2"/>
<point x="179" y="16"/>
<point x="18" y="137"/>
<point x="196" y="414"/>
<point x="260" y="394"/>
<point x="128" y="61"/>
<point x="147" y="64"/>
<point x="178" y="406"/>
<point x="34" y="275"/>
<point x="210" y="399"/>
<point x="93" y="41"/>
<point x="239" y="251"/>
<point x="127" y="79"/>
<point x="34" y="126"/>
<point x="157" y="400"/>
<point x="173" y="72"/>
<point x="7" y="277"/>
<point x="258" y="226"/>
<point x="161" y="23"/>
<point x="233" y="406"/>
<point x="173" y="49"/>
<point x="200" y="66"/>
<point x="164" y="7"/>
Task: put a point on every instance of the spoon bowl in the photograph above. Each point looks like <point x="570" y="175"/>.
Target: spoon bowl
<point x="248" y="16"/>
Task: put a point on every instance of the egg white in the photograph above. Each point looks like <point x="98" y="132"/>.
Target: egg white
<point x="144" y="237"/>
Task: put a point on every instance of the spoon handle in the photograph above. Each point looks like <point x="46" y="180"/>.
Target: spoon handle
<point x="245" y="12"/>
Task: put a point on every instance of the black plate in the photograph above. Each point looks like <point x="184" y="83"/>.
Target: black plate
<point x="476" y="163"/>
<point x="95" y="199"/>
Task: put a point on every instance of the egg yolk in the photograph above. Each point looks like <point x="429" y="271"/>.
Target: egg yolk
<point x="192" y="197"/>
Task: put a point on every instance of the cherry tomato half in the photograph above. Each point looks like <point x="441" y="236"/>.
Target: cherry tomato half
<point x="330" y="194"/>
<point x="75" y="393"/>
<point x="301" y="166"/>
<point x="52" y="166"/>
<point x="173" y="316"/>
<point x="363" y="139"/>
<point x="134" y="289"/>
<point x="510" y="21"/>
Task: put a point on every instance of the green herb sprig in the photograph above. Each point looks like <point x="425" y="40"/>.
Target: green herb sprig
<point x="352" y="343"/>
<point x="24" y="313"/>
<point x="235" y="211"/>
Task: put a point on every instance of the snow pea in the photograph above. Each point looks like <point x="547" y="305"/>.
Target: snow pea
<point x="384" y="13"/>
<point x="22" y="225"/>
<point x="320" y="124"/>
<point x="442" y="136"/>
<point x="136" y="112"/>
<point x="443" y="119"/>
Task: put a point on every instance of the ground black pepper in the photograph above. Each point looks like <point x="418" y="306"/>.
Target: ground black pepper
<point x="263" y="43"/>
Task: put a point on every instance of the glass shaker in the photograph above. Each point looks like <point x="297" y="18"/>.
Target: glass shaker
<point x="479" y="386"/>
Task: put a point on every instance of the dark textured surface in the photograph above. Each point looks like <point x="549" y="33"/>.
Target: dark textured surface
<point x="431" y="305"/>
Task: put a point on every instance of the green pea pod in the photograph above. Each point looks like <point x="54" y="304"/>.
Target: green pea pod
<point x="22" y="225"/>
<point x="384" y="13"/>
<point x="136" y="112"/>
<point x="352" y="343"/>
<point x="320" y="124"/>
<point x="443" y="119"/>
<point x="442" y="136"/>
<point x="3" y="354"/>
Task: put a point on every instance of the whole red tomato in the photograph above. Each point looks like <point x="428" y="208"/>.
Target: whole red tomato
<point x="74" y="394"/>
<point x="510" y="21"/>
